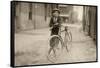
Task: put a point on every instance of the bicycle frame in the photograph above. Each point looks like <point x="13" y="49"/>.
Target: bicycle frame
<point x="67" y="32"/>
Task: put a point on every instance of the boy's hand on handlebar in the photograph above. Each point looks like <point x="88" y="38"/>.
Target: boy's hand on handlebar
<point x="56" y="24"/>
<point x="51" y="28"/>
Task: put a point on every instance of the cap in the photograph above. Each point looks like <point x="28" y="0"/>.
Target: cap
<point x="55" y="9"/>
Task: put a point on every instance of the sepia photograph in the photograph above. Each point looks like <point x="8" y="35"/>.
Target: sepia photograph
<point x="52" y="33"/>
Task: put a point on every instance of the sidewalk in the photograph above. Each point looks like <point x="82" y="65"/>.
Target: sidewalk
<point x="32" y="46"/>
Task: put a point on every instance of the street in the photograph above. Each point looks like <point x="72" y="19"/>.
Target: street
<point x="31" y="47"/>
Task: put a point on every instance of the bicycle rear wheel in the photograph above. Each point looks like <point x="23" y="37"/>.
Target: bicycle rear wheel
<point x="70" y="36"/>
<point x="67" y="39"/>
<point x="55" y="48"/>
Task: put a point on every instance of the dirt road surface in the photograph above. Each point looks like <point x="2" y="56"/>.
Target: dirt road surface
<point x="31" y="47"/>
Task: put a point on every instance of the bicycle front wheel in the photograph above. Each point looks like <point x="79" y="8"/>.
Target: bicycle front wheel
<point x="55" y="48"/>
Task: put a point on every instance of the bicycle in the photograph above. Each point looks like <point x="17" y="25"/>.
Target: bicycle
<point x="56" y="40"/>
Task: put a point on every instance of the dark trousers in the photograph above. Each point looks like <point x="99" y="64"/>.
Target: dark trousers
<point x="55" y="31"/>
<point x="54" y="41"/>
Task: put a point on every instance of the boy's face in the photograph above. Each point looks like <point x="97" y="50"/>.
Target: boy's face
<point x="56" y="14"/>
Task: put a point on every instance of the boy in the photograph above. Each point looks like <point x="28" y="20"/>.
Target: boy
<point x="55" y="22"/>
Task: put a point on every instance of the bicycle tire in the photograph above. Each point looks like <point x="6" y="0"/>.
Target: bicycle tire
<point x="67" y="39"/>
<point x="70" y="35"/>
<point x="51" y="59"/>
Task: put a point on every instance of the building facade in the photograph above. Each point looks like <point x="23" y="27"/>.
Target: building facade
<point x="90" y="21"/>
<point x="32" y="15"/>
